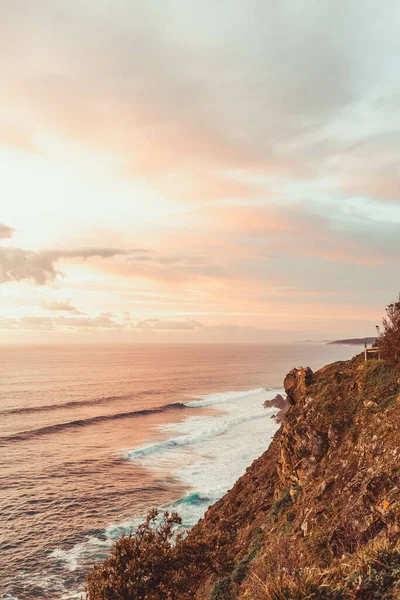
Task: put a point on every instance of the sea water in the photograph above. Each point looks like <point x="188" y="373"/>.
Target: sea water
<point x="92" y="437"/>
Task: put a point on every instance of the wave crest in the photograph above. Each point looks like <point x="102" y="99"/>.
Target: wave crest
<point x="76" y="403"/>
<point x="33" y="433"/>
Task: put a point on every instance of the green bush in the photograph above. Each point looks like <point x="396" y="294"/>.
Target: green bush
<point x="226" y="588"/>
<point x="222" y="590"/>
<point x="280" y="505"/>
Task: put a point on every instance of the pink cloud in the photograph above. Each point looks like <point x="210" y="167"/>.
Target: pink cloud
<point x="382" y="186"/>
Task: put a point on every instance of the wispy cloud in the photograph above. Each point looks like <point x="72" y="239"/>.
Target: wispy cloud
<point x="17" y="264"/>
<point x="101" y="322"/>
<point x="5" y="231"/>
<point x="161" y="325"/>
<point x="60" y="306"/>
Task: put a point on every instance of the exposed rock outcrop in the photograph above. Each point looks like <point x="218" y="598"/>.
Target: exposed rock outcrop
<point x="296" y="383"/>
<point x="278" y="402"/>
<point x="328" y="484"/>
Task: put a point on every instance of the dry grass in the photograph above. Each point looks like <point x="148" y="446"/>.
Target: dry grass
<point x="370" y="573"/>
<point x="281" y="575"/>
<point x="305" y="584"/>
<point x="374" y="571"/>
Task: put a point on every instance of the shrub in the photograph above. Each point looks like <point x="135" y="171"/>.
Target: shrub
<point x="151" y="564"/>
<point x="389" y="336"/>
<point x="281" y="505"/>
<point x="222" y="590"/>
<point x="226" y="588"/>
<point x="242" y="566"/>
<point x="241" y="569"/>
<point x="378" y="575"/>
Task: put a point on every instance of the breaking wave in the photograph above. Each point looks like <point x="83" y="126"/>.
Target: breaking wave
<point x="75" y="403"/>
<point x="50" y="429"/>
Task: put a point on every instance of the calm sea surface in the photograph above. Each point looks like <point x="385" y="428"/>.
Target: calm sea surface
<point x="91" y="437"/>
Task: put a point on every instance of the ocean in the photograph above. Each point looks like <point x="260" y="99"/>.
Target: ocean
<point x="92" y="437"/>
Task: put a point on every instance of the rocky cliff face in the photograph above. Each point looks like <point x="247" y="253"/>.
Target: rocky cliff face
<point x="321" y="507"/>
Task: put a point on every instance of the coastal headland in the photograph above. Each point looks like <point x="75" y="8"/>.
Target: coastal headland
<point x="319" y="511"/>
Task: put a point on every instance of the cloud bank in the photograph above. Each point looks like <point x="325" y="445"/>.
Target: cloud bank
<point x="274" y="127"/>
<point x="262" y="88"/>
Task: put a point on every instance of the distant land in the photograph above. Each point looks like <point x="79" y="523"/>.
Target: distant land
<point x="353" y="342"/>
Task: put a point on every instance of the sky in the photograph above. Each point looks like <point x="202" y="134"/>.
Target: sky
<point x="186" y="171"/>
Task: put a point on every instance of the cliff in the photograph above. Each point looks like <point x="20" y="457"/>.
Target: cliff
<point x="318" y="514"/>
<point x="316" y="517"/>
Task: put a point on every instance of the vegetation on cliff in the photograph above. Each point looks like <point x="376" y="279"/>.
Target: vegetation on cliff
<point x="316" y="517"/>
<point x="154" y="563"/>
<point x="389" y="333"/>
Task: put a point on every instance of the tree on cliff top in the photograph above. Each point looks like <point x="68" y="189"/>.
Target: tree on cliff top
<point x="389" y="334"/>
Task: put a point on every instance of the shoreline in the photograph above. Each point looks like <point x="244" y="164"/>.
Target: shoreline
<point x="200" y="472"/>
<point x="189" y="500"/>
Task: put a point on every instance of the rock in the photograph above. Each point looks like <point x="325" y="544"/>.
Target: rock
<point x="296" y="383"/>
<point x="294" y="492"/>
<point x="318" y="444"/>
<point x="370" y="404"/>
<point x="333" y="436"/>
<point x="278" y="402"/>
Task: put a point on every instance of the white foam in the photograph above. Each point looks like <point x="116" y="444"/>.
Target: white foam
<point x="224" y="397"/>
<point x="48" y="584"/>
<point x="206" y="453"/>
<point x="74" y="596"/>
<point x="87" y="550"/>
<point x="195" y="430"/>
<point x="212" y="452"/>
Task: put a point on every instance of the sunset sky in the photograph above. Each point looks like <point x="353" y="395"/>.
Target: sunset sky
<point x="201" y="171"/>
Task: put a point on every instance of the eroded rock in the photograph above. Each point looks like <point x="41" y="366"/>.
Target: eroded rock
<point x="296" y="383"/>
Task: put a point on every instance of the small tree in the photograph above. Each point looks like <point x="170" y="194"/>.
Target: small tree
<point x="389" y="335"/>
<point x="154" y="563"/>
